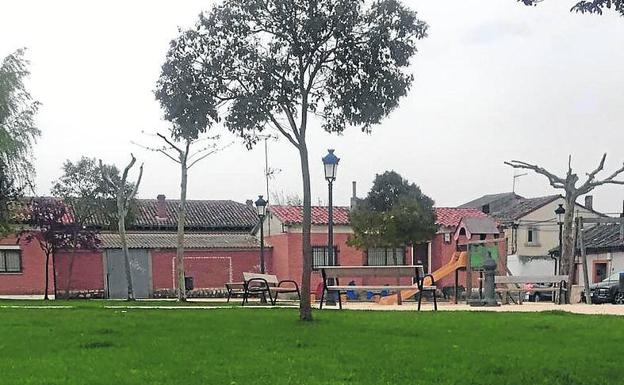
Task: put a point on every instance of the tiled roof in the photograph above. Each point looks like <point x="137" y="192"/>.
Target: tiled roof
<point x="153" y="240"/>
<point x="292" y="215"/>
<point x="605" y="236"/>
<point x="450" y="216"/>
<point x="210" y="215"/>
<point x="508" y="207"/>
<point x="495" y="201"/>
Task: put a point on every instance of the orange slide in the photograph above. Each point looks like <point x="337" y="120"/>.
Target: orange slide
<point x="458" y="261"/>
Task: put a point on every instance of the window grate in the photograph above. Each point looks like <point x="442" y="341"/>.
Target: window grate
<point x="385" y="257"/>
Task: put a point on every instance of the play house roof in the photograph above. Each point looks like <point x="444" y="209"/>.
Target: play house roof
<point x="451" y="216"/>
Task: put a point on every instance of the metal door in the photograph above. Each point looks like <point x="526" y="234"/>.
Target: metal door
<point x="140" y="268"/>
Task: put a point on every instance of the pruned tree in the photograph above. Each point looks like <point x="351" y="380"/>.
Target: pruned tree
<point x="591" y="6"/>
<point x="394" y="214"/>
<point x="124" y="199"/>
<point x="179" y="148"/>
<point x="271" y="64"/>
<point x="50" y="224"/>
<point x="282" y="198"/>
<point x="18" y="130"/>
<point x="88" y="198"/>
<point x="572" y="191"/>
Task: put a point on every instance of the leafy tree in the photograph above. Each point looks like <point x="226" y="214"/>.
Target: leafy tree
<point x="569" y="184"/>
<point x="394" y="214"/>
<point x="9" y="199"/>
<point x="270" y="64"/>
<point x="90" y="200"/>
<point x="591" y="6"/>
<point x="18" y="130"/>
<point x="51" y="226"/>
<point x="124" y="200"/>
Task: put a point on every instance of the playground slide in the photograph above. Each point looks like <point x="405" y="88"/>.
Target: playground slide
<point x="458" y="261"/>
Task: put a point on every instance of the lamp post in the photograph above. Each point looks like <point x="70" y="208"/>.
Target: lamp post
<point x="330" y="163"/>
<point x="261" y="207"/>
<point x="560" y="211"/>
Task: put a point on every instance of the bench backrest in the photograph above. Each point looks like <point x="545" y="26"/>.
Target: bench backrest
<point x="270" y="278"/>
<point x="372" y="271"/>
<point x="506" y="279"/>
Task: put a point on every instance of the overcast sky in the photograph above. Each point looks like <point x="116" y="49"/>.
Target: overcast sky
<point x="495" y="80"/>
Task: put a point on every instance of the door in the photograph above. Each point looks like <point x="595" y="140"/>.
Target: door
<point x="600" y="271"/>
<point x="421" y="255"/>
<point x="140" y="268"/>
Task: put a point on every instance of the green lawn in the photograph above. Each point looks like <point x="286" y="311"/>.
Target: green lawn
<point x="90" y="344"/>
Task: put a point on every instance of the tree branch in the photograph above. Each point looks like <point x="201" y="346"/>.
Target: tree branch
<point x="209" y="153"/>
<point x="554" y="180"/>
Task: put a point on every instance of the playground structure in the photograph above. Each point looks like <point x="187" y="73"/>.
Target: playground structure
<point x="469" y="260"/>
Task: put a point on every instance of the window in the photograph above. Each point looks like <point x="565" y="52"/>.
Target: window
<point x="385" y="257"/>
<point x="10" y="261"/>
<point x="320" y="256"/>
<point x="532" y="236"/>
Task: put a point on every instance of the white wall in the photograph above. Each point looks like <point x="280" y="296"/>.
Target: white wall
<point x="616" y="264"/>
<point x="530" y="266"/>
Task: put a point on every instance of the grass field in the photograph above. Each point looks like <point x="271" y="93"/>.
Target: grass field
<point x="90" y="344"/>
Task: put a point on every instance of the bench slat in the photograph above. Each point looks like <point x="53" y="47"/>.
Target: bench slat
<point x="503" y="279"/>
<point x="356" y="288"/>
<point x="371" y="271"/>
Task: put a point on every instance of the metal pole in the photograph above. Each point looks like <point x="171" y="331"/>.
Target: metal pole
<point x="262" y="244"/>
<point x="330" y="239"/>
<point x="560" y="247"/>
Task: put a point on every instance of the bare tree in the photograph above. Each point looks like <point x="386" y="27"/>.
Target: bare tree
<point x="182" y="154"/>
<point x="124" y="198"/>
<point x="572" y="192"/>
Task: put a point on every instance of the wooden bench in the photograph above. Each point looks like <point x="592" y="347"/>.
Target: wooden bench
<point x="517" y="284"/>
<point x="415" y="272"/>
<point x="267" y="284"/>
<point x="234" y="288"/>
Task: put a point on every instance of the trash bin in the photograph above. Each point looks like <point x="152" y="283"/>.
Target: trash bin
<point x="188" y="283"/>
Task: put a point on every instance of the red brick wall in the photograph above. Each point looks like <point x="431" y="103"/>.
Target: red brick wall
<point x="31" y="281"/>
<point x="87" y="271"/>
<point x="209" y="268"/>
<point x="288" y="260"/>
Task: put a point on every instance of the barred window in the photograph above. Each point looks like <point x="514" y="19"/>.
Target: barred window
<point x="10" y="261"/>
<point x="385" y="257"/>
<point x="320" y="256"/>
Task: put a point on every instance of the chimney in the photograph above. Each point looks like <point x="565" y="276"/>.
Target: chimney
<point x="249" y="203"/>
<point x="161" y="207"/>
<point x="486" y="208"/>
<point x="589" y="202"/>
<point x="354" y="195"/>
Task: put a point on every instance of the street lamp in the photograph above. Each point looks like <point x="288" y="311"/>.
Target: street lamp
<point x="261" y="205"/>
<point x="560" y="212"/>
<point x="330" y="163"/>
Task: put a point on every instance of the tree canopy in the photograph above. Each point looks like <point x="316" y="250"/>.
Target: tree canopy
<point x="589" y="6"/>
<point x="91" y="198"/>
<point x="394" y="213"/>
<point x="18" y="130"/>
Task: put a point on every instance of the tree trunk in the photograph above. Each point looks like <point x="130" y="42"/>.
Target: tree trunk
<point x="584" y="261"/>
<point x="305" y="307"/>
<point x="179" y="259"/>
<point x="567" y="252"/>
<point x="47" y="276"/>
<point x="121" y="223"/>
<point x="54" y="274"/>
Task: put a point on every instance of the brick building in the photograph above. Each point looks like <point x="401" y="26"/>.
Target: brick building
<point x="219" y="247"/>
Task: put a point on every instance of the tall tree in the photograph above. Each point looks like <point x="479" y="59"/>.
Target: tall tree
<point x="591" y="6"/>
<point x="124" y="202"/>
<point x="572" y="192"/>
<point x="50" y="224"/>
<point x="18" y="130"/>
<point x="261" y="64"/>
<point x="179" y="148"/>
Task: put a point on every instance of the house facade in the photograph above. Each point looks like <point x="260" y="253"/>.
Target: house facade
<point x="283" y="232"/>
<point x="530" y="226"/>
<point x="605" y="252"/>
<point x="219" y="246"/>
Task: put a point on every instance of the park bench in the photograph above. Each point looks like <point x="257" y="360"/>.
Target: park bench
<point x="516" y="284"/>
<point x="416" y="272"/>
<point x="234" y="288"/>
<point x="267" y="284"/>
